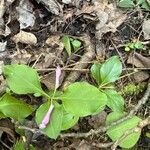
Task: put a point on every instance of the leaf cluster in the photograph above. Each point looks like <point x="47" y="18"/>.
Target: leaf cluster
<point x="80" y="99"/>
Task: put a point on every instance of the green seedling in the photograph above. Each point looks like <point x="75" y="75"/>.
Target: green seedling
<point x="135" y="45"/>
<point x="70" y="44"/>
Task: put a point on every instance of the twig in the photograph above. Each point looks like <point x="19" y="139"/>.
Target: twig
<point x="102" y="145"/>
<point x="138" y="128"/>
<point x="5" y="145"/>
<point x="83" y="70"/>
<point x="64" y="69"/>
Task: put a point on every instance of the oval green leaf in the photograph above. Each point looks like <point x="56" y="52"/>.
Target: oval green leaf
<point x="14" y="108"/>
<point x="95" y="71"/>
<point x="111" y="70"/>
<point x="2" y="115"/>
<point x="68" y="120"/>
<point x="54" y="127"/>
<point x="117" y="131"/>
<point x="82" y="99"/>
<point x="126" y="3"/>
<point x="22" y="79"/>
<point x="67" y="45"/>
<point x="114" y="100"/>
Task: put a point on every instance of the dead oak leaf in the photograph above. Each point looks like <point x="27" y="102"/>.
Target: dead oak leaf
<point x="25" y="37"/>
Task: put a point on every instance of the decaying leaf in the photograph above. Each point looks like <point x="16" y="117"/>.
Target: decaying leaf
<point x="2" y="8"/>
<point x="3" y="46"/>
<point x="140" y="76"/>
<point x="138" y="60"/>
<point x="8" y="127"/>
<point x="146" y="29"/>
<point x="20" y="57"/>
<point x="26" y="16"/>
<point x="25" y="37"/>
<point x="98" y="119"/>
<point x="49" y="80"/>
<point x="55" y="42"/>
<point x="67" y="1"/>
<point x="110" y="17"/>
<point x="1" y="67"/>
<point x="51" y="5"/>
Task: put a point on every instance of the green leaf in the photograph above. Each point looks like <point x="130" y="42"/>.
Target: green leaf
<point x="68" y="120"/>
<point x="111" y="70"/>
<point x="22" y="79"/>
<point x="126" y="3"/>
<point x="14" y="108"/>
<point x="114" y="100"/>
<point x="114" y="116"/>
<point x="95" y="70"/>
<point x="67" y="44"/>
<point x="138" y="45"/>
<point x="20" y="145"/>
<point x="82" y="99"/>
<point x="146" y="5"/>
<point x="118" y="131"/>
<point x="76" y="44"/>
<point x="54" y="127"/>
<point x="2" y="115"/>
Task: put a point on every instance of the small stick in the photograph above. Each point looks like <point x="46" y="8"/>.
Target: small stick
<point x="102" y="145"/>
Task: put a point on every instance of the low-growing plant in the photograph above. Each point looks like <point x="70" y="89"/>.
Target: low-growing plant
<point x="70" y="44"/>
<point x="134" y="45"/>
<point x="134" y="3"/>
<point x="62" y="110"/>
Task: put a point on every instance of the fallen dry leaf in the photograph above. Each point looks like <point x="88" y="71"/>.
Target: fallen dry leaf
<point x="8" y="127"/>
<point x="146" y="29"/>
<point x="1" y="66"/>
<point x="20" y="57"/>
<point x="3" y="46"/>
<point x="140" y="76"/>
<point x="110" y="17"/>
<point x="49" y="80"/>
<point x="26" y="16"/>
<point x="67" y="1"/>
<point x="138" y="60"/>
<point x="25" y="37"/>
<point x="97" y="120"/>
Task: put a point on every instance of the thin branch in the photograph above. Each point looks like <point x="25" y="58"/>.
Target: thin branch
<point x="102" y="145"/>
<point x="83" y="70"/>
